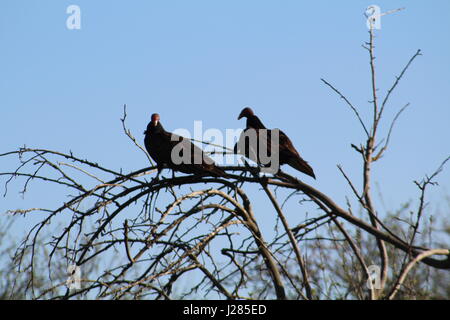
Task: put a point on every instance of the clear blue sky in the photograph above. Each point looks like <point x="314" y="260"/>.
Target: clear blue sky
<point x="205" y="60"/>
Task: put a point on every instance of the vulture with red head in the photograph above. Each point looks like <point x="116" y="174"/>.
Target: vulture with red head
<point x="250" y="148"/>
<point x="177" y="153"/>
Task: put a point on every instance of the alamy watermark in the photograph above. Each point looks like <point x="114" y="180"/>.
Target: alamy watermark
<point x="374" y="280"/>
<point x="257" y="145"/>
<point x="373" y="16"/>
<point x="73" y="281"/>
<point x="73" y="21"/>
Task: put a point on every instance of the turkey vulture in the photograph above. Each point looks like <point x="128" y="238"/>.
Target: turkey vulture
<point x="251" y="148"/>
<point x="176" y="152"/>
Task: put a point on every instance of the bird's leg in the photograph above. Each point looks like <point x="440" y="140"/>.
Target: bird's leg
<point x="259" y="170"/>
<point x="264" y="179"/>
<point x="155" y="179"/>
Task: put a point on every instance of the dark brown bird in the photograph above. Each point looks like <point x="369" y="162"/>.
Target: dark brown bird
<point x="287" y="154"/>
<point x="177" y="153"/>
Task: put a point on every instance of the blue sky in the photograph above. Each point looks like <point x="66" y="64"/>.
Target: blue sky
<point x="205" y="60"/>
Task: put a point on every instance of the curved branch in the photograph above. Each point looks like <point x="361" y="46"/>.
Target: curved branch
<point x="411" y="264"/>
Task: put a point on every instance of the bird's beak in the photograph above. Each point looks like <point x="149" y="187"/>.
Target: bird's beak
<point x="240" y="116"/>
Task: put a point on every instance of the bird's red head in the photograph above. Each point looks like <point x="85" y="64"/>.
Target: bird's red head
<point x="245" y="113"/>
<point x="153" y="124"/>
<point x="155" y="119"/>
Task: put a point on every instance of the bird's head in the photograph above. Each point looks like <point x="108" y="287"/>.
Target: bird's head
<point x="155" y="119"/>
<point x="245" y="113"/>
<point x="153" y="124"/>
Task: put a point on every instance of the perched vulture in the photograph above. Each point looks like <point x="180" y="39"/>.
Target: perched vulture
<point x="177" y="153"/>
<point x="251" y="148"/>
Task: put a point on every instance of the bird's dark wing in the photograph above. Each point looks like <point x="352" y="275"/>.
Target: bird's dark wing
<point x="289" y="155"/>
<point x="155" y="146"/>
<point x="192" y="158"/>
<point x="286" y="146"/>
<point x="247" y="144"/>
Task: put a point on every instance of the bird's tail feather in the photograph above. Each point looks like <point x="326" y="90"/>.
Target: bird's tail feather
<point x="218" y="172"/>
<point x="302" y="166"/>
